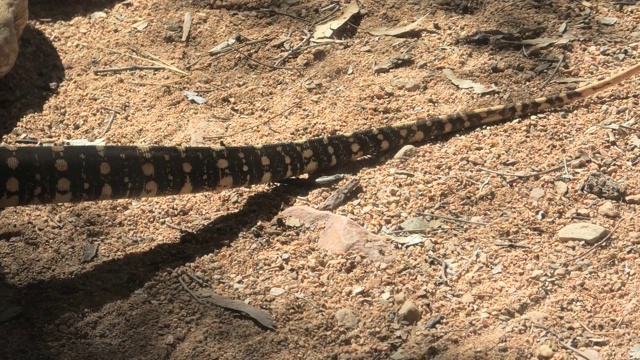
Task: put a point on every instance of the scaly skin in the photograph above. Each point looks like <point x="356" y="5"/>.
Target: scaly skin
<point x="59" y="174"/>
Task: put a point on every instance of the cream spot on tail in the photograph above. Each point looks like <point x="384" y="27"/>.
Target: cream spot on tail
<point x="61" y="165"/>
<point x="187" y="188"/>
<point x="12" y="185"/>
<point x="150" y="189"/>
<point x="223" y="164"/>
<point x="105" y="168"/>
<point x="12" y="163"/>
<point x="64" y="185"/>
<point x="226" y="182"/>
<point x="106" y="192"/>
<point x="148" y="169"/>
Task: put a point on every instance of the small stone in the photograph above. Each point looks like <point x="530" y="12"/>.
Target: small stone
<point x="399" y="83"/>
<point x="578" y="164"/>
<point x="545" y="352"/>
<point x="421" y="64"/>
<point x="583" y="212"/>
<point x="592" y="354"/>
<point x="633" y="199"/>
<point x="98" y="15"/>
<point x="399" y="298"/>
<point x="561" y="188"/>
<point x="409" y="313"/>
<point x="587" y="232"/>
<point x="407" y="151"/>
<point x="536" y="274"/>
<point x="608" y="210"/>
<point x="497" y="269"/>
<point x="467" y="298"/>
<point x="169" y="340"/>
<point x="536" y="193"/>
<point x="347" y="318"/>
<point x="398" y="356"/>
<point x="412" y="86"/>
<point x="276" y="291"/>
<point x="476" y="160"/>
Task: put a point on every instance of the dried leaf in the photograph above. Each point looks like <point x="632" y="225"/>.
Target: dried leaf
<point x="192" y="96"/>
<point x="410" y="240"/>
<point x="466" y="84"/>
<point x="563" y="28"/>
<point x="90" y="252"/>
<point x="608" y="20"/>
<point x="258" y="315"/>
<point x="402" y="30"/>
<point x="223" y="46"/>
<point x="141" y="25"/>
<point x="324" y="31"/>
<point x="186" y="26"/>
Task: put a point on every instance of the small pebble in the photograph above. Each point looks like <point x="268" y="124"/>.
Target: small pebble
<point x="409" y="313"/>
<point x="347" y="318"/>
<point x="545" y="352"/>
<point x="633" y="199"/>
<point x="608" y="210"/>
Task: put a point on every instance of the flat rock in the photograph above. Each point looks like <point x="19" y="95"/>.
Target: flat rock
<point x="13" y="18"/>
<point x="587" y="232"/>
<point x="536" y="193"/>
<point x="347" y="318"/>
<point x="340" y="234"/>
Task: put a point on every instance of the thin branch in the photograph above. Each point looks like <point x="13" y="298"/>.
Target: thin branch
<point x="452" y="219"/>
<point x="560" y="61"/>
<point x="263" y="64"/>
<point x="260" y="124"/>
<point x="195" y="297"/>
<point x="155" y="62"/>
<point x="277" y="12"/>
<point x="296" y="48"/>
<point x="128" y="68"/>
<point x="521" y="176"/>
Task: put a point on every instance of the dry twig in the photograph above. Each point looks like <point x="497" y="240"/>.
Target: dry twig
<point x="443" y="217"/>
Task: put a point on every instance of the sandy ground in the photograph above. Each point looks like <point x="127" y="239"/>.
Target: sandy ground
<point x="510" y="289"/>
